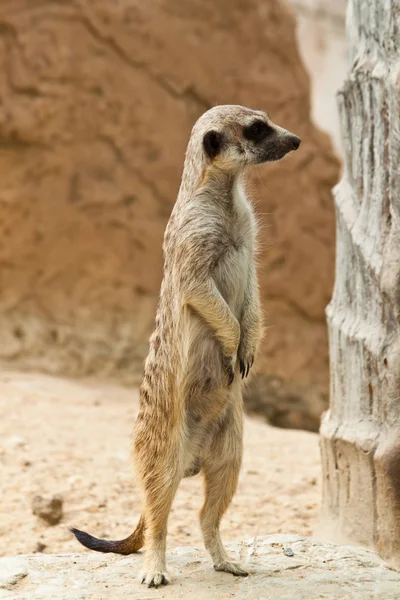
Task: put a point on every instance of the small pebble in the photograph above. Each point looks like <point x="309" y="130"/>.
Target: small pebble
<point x="288" y="552"/>
<point x="48" y="509"/>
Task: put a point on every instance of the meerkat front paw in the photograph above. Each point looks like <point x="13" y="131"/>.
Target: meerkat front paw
<point x="246" y="360"/>
<point x="154" y="579"/>
<point x="229" y="364"/>
<point x="230" y="567"/>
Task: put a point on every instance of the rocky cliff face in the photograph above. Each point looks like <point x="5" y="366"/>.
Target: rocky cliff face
<point x="97" y="100"/>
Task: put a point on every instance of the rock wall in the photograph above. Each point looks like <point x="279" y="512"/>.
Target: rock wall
<point x="97" y="100"/>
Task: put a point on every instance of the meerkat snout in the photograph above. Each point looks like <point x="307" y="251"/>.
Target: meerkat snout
<point x="275" y="143"/>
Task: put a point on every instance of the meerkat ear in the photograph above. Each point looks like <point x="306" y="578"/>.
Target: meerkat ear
<point x="212" y="143"/>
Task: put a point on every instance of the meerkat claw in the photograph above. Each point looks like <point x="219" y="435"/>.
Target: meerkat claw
<point x="242" y="368"/>
<point x="155" y="579"/>
<point x="228" y="364"/>
<point x="245" y="367"/>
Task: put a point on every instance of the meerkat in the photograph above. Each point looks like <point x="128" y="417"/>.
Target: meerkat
<point x="207" y="331"/>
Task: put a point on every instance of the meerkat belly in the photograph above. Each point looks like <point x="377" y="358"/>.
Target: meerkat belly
<point x="230" y="277"/>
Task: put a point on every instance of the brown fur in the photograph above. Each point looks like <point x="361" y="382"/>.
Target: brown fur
<point x="207" y="331"/>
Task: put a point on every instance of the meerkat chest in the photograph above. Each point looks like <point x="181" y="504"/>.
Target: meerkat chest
<point x="233" y="268"/>
<point x="243" y="222"/>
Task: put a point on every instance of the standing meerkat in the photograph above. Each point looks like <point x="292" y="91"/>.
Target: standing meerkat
<point x="207" y="331"/>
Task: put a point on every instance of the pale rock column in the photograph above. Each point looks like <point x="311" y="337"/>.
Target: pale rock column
<point x="360" y="434"/>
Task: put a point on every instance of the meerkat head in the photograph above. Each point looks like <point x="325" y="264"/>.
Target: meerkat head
<point x="235" y="137"/>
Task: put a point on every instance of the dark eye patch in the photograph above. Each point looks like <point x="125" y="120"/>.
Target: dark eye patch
<point x="212" y="143"/>
<point x="257" y="131"/>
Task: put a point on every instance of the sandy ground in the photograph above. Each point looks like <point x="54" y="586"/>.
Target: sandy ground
<point x="59" y="436"/>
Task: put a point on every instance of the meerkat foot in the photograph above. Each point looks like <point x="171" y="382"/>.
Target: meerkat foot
<point x="154" y="579"/>
<point x="230" y="567"/>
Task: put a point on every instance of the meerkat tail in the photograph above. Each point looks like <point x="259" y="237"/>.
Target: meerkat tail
<point x="129" y="545"/>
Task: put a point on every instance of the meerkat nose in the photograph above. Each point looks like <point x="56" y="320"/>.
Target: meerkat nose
<point x="296" y="141"/>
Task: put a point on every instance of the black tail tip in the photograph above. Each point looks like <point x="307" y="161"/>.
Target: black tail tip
<point x="81" y="536"/>
<point x="75" y="532"/>
<point x="91" y="542"/>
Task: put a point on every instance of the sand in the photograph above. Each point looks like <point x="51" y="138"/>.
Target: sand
<point x="67" y="437"/>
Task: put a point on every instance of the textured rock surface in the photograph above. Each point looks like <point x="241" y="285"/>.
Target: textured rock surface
<point x="97" y="100"/>
<point x="316" y="570"/>
<point x="360" y="434"/>
<point x="12" y="571"/>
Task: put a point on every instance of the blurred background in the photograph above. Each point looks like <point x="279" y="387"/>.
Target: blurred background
<point x="97" y="101"/>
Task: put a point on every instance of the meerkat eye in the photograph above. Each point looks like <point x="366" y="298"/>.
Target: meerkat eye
<point x="212" y="143"/>
<point x="257" y="131"/>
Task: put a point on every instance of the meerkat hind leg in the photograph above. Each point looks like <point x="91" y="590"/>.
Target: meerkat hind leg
<point x="158" y="501"/>
<point x="221" y="472"/>
<point x="220" y="486"/>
